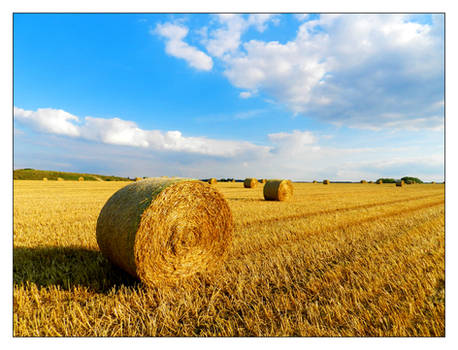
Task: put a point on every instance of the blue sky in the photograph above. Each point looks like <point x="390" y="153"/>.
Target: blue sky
<point x="205" y="95"/>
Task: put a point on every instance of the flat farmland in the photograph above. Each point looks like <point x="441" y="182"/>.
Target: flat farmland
<point x="336" y="260"/>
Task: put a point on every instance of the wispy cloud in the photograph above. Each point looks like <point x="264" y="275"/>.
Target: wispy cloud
<point x="116" y="131"/>
<point x="177" y="47"/>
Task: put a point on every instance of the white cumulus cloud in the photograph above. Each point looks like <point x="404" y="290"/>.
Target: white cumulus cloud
<point x="49" y="120"/>
<point x="177" y="47"/>
<point x="116" y="131"/>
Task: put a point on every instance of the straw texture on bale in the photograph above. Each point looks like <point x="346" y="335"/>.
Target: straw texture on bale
<point x="60" y="179"/>
<point x="278" y="190"/>
<point x="400" y="184"/>
<point x="326" y="182"/>
<point x="212" y="181"/>
<point x="81" y="178"/>
<point x="380" y="181"/>
<point x="45" y="179"/>
<point x="162" y="231"/>
<point x="250" y="182"/>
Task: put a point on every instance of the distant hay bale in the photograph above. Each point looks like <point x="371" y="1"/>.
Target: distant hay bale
<point x="81" y="178"/>
<point x="138" y="178"/>
<point x="400" y="184"/>
<point x="326" y="182"/>
<point x="433" y="182"/>
<point x="233" y="180"/>
<point x="212" y="181"/>
<point x="371" y="182"/>
<point x="162" y="231"/>
<point x="363" y="181"/>
<point x="314" y="181"/>
<point x="380" y="182"/>
<point x="250" y="182"/>
<point x="60" y="179"/>
<point x="45" y="179"/>
<point x="278" y="190"/>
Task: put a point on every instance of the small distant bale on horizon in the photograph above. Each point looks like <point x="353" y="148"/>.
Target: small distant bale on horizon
<point x="400" y="184"/>
<point x="433" y="182"/>
<point x="314" y="181"/>
<point x="138" y="179"/>
<point x="60" y="179"/>
<point x="45" y="179"/>
<point x="81" y="178"/>
<point x="212" y="181"/>
<point x="379" y="182"/>
<point x="278" y="190"/>
<point x="363" y="181"/>
<point x="326" y="182"/>
<point x="250" y="182"/>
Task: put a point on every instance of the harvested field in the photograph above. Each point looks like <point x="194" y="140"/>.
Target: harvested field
<point x="344" y="260"/>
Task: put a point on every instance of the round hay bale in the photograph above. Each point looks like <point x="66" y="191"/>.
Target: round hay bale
<point x="400" y="184"/>
<point x="212" y="181"/>
<point x="314" y="181"/>
<point x="380" y="182"/>
<point x="433" y="182"/>
<point x="250" y="182"/>
<point x="138" y="179"/>
<point x="278" y="190"/>
<point x="363" y="181"/>
<point x="45" y="179"/>
<point x="162" y="231"/>
<point x="81" y="178"/>
<point x="60" y="179"/>
<point x="326" y="182"/>
<point x="233" y="180"/>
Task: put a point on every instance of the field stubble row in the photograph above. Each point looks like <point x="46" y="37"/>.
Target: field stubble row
<point x="338" y="260"/>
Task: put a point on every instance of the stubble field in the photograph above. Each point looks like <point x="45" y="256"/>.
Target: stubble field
<point x="336" y="260"/>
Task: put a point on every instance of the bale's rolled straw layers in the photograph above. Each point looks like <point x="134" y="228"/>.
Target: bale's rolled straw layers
<point x="250" y="182"/>
<point x="212" y="181"/>
<point x="278" y="190"/>
<point x="162" y="231"/>
<point x="81" y="178"/>
<point x="325" y="182"/>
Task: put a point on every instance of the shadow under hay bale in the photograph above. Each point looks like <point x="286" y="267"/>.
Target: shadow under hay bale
<point x="163" y="231"/>
<point x="278" y="190"/>
<point x="67" y="267"/>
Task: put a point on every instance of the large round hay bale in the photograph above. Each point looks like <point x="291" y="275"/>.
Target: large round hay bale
<point x="81" y="178"/>
<point x="326" y="182"/>
<point x="363" y="181"/>
<point x="250" y="182"/>
<point x="212" y="181"/>
<point x="400" y="184"/>
<point x="60" y="179"/>
<point x="138" y="179"/>
<point x="380" y="182"/>
<point x="162" y="231"/>
<point x="45" y="179"/>
<point x="278" y="190"/>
